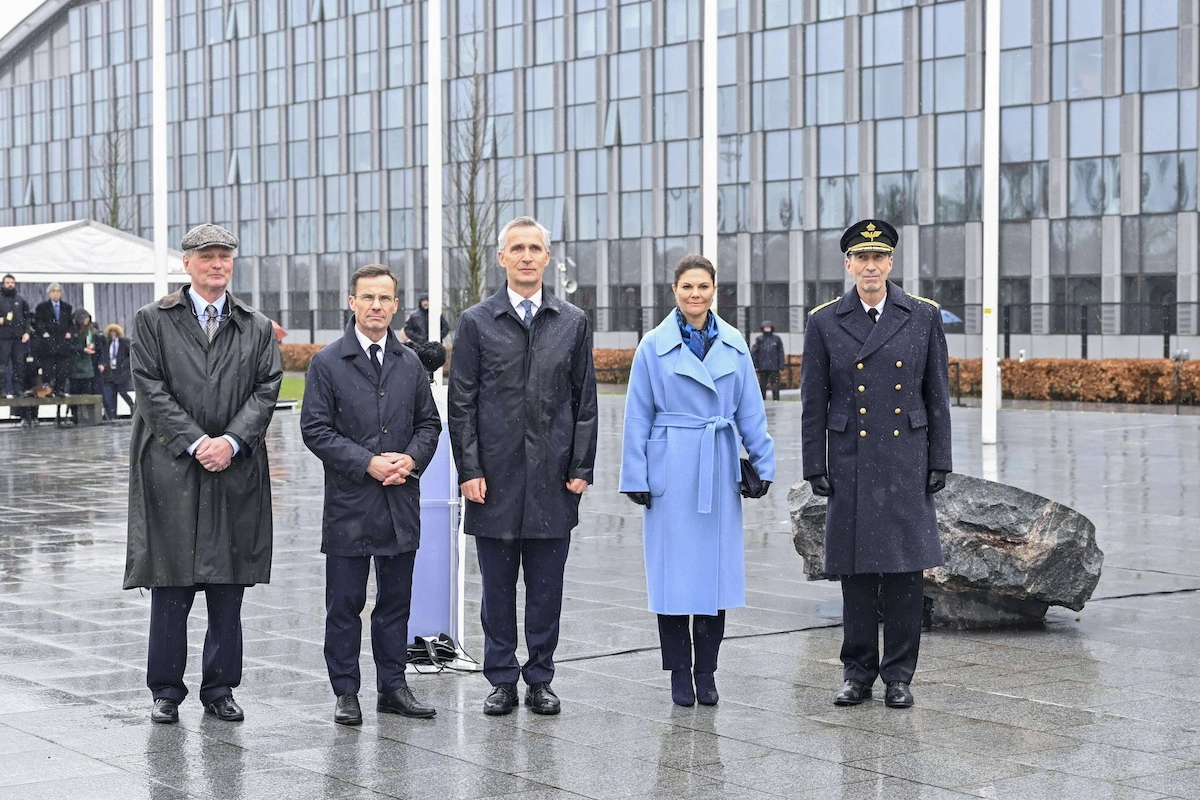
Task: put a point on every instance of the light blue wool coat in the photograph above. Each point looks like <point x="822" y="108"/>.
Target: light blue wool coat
<point x="685" y="424"/>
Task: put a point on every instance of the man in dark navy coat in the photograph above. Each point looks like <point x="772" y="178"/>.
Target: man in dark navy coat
<point x="876" y="441"/>
<point x="52" y="329"/>
<point x="522" y="414"/>
<point x="369" y="415"/>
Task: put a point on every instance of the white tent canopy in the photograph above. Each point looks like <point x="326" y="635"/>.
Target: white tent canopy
<point x="107" y="271"/>
<point x="82" y="251"/>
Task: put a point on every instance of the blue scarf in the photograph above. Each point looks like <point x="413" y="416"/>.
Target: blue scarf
<point x="699" y="341"/>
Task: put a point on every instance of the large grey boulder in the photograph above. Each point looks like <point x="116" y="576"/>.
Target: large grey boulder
<point x="1010" y="554"/>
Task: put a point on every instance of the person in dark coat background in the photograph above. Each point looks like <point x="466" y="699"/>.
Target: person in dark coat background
<point x="53" y="326"/>
<point x="875" y="432"/>
<point x="115" y="375"/>
<point x="522" y="418"/>
<point x="767" y="353"/>
<point x="15" y="326"/>
<point x="416" y="327"/>
<point x="369" y="416"/>
<point x="207" y="370"/>
<point x="85" y="348"/>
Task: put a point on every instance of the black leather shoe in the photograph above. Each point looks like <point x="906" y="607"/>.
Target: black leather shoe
<point x="347" y="710"/>
<point x="682" y="692"/>
<point x="852" y="693"/>
<point x="401" y="701"/>
<point x="541" y="699"/>
<point x="226" y="709"/>
<point x="898" y="695"/>
<point x="501" y="701"/>
<point x="165" y="711"/>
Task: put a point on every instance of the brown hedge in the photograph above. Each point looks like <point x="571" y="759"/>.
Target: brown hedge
<point x="1115" y="380"/>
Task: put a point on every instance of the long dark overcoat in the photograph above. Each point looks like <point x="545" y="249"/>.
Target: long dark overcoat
<point x="522" y="415"/>
<point x="876" y="419"/>
<point x="187" y="525"/>
<point x="350" y="416"/>
<point x="57" y="344"/>
<point x="767" y="353"/>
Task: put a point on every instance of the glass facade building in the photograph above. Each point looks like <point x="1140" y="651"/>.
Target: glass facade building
<point x="300" y="124"/>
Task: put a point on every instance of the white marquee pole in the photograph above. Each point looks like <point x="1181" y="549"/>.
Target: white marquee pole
<point x="991" y="219"/>
<point x="708" y="144"/>
<point x="433" y="148"/>
<point x="158" y="137"/>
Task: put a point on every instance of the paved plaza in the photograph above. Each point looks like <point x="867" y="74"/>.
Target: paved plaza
<point x="1100" y="704"/>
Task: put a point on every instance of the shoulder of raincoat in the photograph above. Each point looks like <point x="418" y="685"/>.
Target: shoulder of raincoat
<point x="875" y="419"/>
<point x="189" y="526"/>
<point x="686" y="422"/>
<point x="522" y="415"/>
<point x="351" y="415"/>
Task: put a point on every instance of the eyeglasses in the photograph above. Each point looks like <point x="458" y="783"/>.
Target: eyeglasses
<point x="369" y="299"/>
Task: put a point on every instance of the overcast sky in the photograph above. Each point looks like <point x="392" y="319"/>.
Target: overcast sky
<point x="13" y="11"/>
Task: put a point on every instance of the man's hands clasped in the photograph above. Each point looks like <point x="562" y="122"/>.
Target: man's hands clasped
<point x="391" y="469"/>
<point x="214" y="454"/>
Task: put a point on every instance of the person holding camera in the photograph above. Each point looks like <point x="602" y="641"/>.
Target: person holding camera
<point x="693" y="400"/>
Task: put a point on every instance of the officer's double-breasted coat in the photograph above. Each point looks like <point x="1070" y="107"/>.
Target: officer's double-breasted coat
<point x="876" y="419"/>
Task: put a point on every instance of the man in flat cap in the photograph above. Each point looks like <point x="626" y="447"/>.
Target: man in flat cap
<point x="207" y="370"/>
<point x="876" y="441"/>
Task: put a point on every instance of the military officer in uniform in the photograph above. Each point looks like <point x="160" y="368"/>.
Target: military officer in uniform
<point x="876" y="441"/>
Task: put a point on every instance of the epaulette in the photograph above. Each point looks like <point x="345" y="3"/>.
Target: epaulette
<point x="818" y="308"/>
<point x="933" y="303"/>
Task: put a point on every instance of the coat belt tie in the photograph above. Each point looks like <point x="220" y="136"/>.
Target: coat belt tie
<point x="708" y="449"/>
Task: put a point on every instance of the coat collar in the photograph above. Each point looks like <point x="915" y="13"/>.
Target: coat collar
<point x="718" y="363"/>
<point x="498" y="304"/>
<point x="350" y="348"/>
<point x="871" y="335"/>
<point x="187" y="320"/>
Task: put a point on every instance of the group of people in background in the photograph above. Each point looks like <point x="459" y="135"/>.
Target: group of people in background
<point x="58" y="350"/>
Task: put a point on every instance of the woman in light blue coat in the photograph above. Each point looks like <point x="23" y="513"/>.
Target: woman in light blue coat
<point x="693" y="403"/>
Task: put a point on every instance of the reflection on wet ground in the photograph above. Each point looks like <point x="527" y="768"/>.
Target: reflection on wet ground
<point x="1095" y="704"/>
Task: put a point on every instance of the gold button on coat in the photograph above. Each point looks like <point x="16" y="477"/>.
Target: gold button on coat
<point x="862" y="411"/>
<point x="897" y="411"/>
<point x="899" y="363"/>
<point x="895" y="433"/>
<point x="863" y="434"/>
<point x="860" y="365"/>
<point x="897" y="387"/>
<point x="862" y="388"/>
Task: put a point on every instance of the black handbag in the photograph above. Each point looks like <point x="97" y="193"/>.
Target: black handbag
<point x="432" y="651"/>
<point x="751" y="485"/>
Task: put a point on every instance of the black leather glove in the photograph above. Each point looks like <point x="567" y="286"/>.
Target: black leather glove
<point x="762" y="492"/>
<point x="641" y="498"/>
<point x="821" y="486"/>
<point x="936" y="482"/>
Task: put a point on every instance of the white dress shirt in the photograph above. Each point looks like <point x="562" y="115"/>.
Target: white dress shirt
<point x="200" y="305"/>
<point x="516" y="301"/>
<point x="366" y="341"/>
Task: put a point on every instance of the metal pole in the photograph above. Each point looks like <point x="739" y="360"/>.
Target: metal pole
<point x="1166" y="330"/>
<point x="991" y="219"/>
<point x="158" y="139"/>
<point x="1007" y="316"/>
<point x="708" y="143"/>
<point x="1083" y="331"/>
<point x="433" y="149"/>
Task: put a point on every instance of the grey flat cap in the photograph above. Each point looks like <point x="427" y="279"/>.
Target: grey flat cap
<point x="208" y="235"/>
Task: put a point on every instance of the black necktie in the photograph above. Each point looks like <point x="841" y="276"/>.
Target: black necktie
<point x="374" y="351"/>
<point x="873" y="313"/>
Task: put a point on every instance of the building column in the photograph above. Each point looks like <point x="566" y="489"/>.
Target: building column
<point x="1039" y="275"/>
<point x="1110" y="275"/>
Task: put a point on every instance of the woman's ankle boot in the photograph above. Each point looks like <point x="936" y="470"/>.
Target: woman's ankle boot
<point x="706" y="689"/>
<point x="681" y="687"/>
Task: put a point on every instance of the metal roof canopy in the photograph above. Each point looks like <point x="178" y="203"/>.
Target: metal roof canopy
<point x="81" y="251"/>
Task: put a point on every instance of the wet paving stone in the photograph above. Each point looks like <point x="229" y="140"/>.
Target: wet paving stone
<point x="1096" y="704"/>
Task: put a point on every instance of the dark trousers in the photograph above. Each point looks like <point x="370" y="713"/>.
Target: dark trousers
<point x="111" y="390"/>
<point x="345" y="598"/>
<point x="769" y="379"/>
<point x="901" y="597"/>
<point x="12" y="356"/>
<point x="707" y="633"/>
<point x="221" y="668"/>
<point x="55" y="371"/>
<point x="543" y="561"/>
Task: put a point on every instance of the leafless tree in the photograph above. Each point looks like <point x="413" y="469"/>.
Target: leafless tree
<point x="471" y="195"/>
<point x="116" y="204"/>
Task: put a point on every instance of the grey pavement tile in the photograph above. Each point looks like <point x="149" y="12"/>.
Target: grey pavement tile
<point x="1182" y="783"/>
<point x="1032" y="715"/>
<point x="285" y="783"/>
<point x="993" y="738"/>
<point x="13" y="741"/>
<point x="520" y="750"/>
<point x="710" y="791"/>
<point x="1136" y="734"/>
<point x="687" y="749"/>
<point x="598" y="779"/>
<point x="460" y="781"/>
<point x="878" y="788"/>
<point x="110" y="786"/>
<point x="986" y="678"/>
<point x="1079" y="694"/>
<point x="873" y="715"/>
<point x="781" y="773"/>
<point x="843" y="745"/>
<point x="352" y="760"/>
<point x="593" y="727"/>
<point x="1104" y="761"/>
<point x="1101" y="673"/>
<point x="49" y="765"/>
<point x="943" y="768"/>
<point x="740" y="721"/>
<point x="1060" y="786"/>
